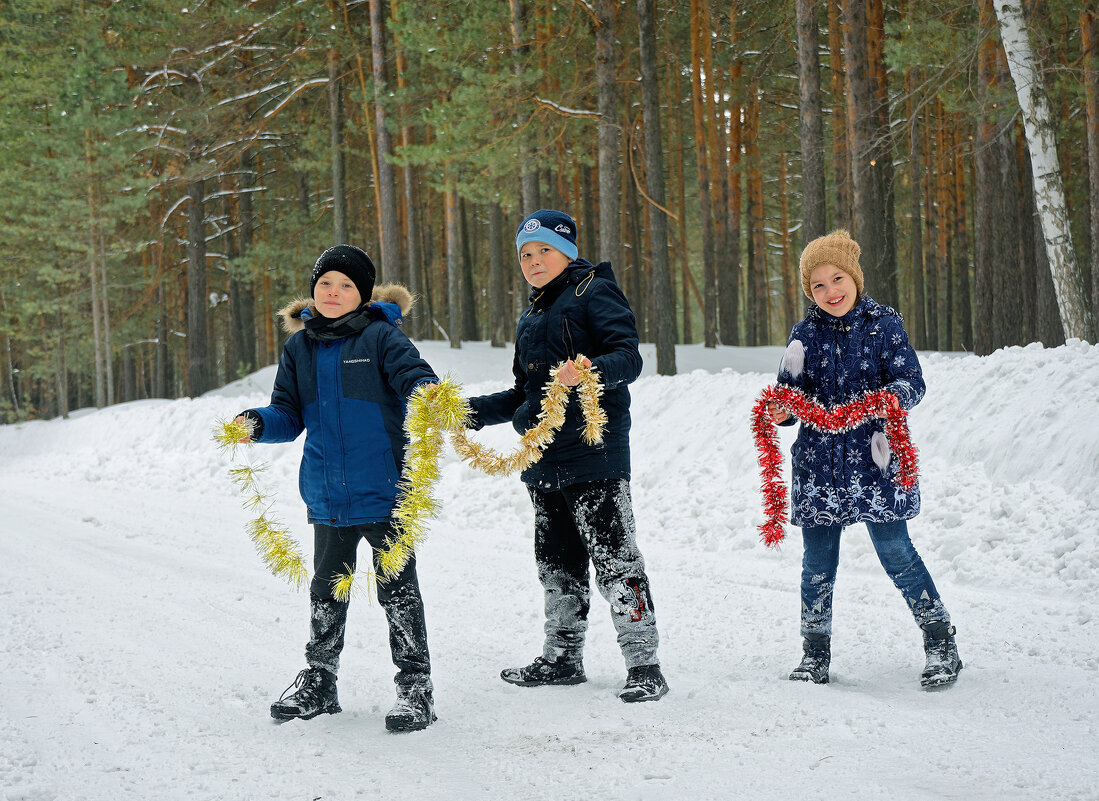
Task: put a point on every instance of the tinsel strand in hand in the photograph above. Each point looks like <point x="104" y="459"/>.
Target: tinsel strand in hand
<point x="837" y="420"/>
<point x="279" y="551"/>
<point x="550" y="419"/>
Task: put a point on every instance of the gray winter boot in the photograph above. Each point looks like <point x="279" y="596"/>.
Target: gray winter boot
<point x="943" y="662"/>
<point x="817" y="657"/>
<point x="414" y="709"/>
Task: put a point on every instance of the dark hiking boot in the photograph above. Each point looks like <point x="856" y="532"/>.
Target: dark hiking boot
<point x="644" y="683"/>
<point x="542" y="671"/>
<point x="815" y="660"/>
<point x="943" y="662"/>
<point x="414" y="709"/>
<point x="315" y="695"/>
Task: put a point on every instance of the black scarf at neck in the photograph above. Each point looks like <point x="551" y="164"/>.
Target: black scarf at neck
<point x="325" y="329"/>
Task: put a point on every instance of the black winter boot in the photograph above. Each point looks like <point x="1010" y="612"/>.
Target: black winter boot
<point x="644" y="683"/>
<point x="542" y="671"/>
<point x="816" y="659"/>
<point x="943" y="662"/>
<point x="414" y="709"/>
<point x="316" y="695"/>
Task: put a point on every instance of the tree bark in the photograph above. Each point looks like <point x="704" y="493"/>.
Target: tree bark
<point x="813" y="200"/>
<point x="335" y="120"/>
<point x="609" y="128"/>
<point x="387" y="184"/>
<point x="654" y="182"/>
<point x="869" y="208"/>
<point x="841" y="135"/>
<point x="702" y="159"/>
<point x="1089" y="26"/>
<point x="497" y="285"/>
<point x="1048" y="191"/>
<point x="453" y="269"/>
<point x="198" y="370"/>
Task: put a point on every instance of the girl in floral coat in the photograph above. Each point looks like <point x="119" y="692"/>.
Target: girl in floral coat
<point x="849" y="345"/>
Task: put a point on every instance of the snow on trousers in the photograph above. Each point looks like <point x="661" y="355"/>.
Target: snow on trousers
<point x="335" y="553"/>
<point x="897" y="555"/>
<point x="592" y="521"/>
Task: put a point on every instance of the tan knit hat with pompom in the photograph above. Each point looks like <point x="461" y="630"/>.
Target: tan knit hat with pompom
<point x="836" y="248"/>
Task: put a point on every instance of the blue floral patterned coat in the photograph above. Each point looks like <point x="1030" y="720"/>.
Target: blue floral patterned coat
<point x="848" y="478"/>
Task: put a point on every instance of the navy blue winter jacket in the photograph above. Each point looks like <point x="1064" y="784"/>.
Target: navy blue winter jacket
<point x="582" y="311"/>
<point x="349" y="396"/>
<point x="836" y="360"/>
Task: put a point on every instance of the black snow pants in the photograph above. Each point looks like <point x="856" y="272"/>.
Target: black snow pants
<point x="592" y="521"/>
<point x="334" y="553"/>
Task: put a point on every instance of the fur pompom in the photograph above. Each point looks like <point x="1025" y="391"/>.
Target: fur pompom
<point x="879" y="449"/>
<point x="793" y="360"/>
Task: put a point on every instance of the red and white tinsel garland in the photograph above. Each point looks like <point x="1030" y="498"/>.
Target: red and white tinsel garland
<point x="837" y="420"/>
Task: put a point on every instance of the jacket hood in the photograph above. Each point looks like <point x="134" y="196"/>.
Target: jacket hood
<point x="290" y="315"/>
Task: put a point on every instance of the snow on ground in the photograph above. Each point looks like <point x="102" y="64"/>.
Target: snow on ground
<point x="143" y="641"/>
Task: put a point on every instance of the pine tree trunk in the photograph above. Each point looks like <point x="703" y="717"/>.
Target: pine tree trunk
<point x="868" y="204"/>
<point x="813" y="200"/>
<point x="988" y="195"/>
<point x="918" y="327"/>
<point x="244" y="297"/>
<point x="758" y="321"/>
<point x="663" y="291"/>
<point x="962" y="311"/>
<point x="1048" y="191"/>
<point x="469" y="300"/>
<point x="387" y="184"/>
<point x="198" y="371"/>
<point x="702" y="160"/>
<point x="1089" y="26"/>
<point x="729" y="266"/>
<point x="497" y="286"/>
<point x="335" y="121"/>
<point x="841" y="134"/>
<point x="453" y="269"/>
<point x="610" y="211"/>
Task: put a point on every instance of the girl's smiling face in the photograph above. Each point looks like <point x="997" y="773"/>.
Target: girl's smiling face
<point x="833" y="289"/>
<point x="335" y="295"/>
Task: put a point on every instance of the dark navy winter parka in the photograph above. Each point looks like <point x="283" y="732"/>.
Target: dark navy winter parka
<point x="582" y="311"/>
<point x="836" y="360"/>
<point x="349" y="396"/>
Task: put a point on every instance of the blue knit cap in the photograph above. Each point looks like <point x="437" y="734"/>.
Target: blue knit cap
<point x="555" y="228"/>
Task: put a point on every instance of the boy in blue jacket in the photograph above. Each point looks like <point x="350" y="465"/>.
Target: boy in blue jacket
<point x="344" y="378"/>
<point x="581" y="493"/>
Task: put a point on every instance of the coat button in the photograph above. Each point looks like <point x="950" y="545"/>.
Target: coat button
<point x="530" y="366"/>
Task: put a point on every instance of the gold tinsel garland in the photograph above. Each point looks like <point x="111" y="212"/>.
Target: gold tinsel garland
<point x="279" y="551"/>
<point x="432" y="411"/>
<point x="550" y="419"/>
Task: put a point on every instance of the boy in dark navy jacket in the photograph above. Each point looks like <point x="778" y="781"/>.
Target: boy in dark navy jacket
<point x="581" y="493"/>
<point x="344" y="378"/>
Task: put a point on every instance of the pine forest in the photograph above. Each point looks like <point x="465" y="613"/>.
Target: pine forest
<point x="169" y="172"/>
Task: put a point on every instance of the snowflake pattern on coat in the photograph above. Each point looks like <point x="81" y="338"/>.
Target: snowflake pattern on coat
<point x="835" y="480"/>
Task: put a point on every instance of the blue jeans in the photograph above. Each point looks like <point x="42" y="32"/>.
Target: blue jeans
<point x="895" y="552"/>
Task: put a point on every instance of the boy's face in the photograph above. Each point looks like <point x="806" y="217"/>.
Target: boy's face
<point x="833" y="289"/>
<point x="541" y="263"/>
<point x="335" y="295"/>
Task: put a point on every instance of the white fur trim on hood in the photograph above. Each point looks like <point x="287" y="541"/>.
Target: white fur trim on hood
<point x="290" y="314"/>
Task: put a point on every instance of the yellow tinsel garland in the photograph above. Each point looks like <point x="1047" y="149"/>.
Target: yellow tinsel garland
<point x="433" y="410"/>
<point x="279" y="551"/>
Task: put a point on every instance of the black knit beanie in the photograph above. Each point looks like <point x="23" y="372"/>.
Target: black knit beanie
<point x="352" y="262"/>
